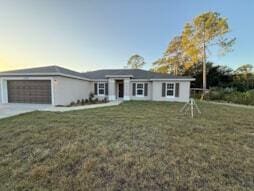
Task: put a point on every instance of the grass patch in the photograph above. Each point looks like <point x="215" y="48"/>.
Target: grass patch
<point x="133" y="146"/>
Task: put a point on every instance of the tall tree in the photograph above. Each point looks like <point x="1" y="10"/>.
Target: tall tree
<point x="245" y="72"/>
<point x="136" y="61"/>
<point x="174" y="60"/>
<point x="174" y="55"/>
<point x="161" y="66"/>
<point x="245" y="69"/>
<point x="206" y="30"/>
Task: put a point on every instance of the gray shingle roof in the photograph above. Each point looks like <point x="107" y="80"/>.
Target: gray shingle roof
<point x="98" y="74"/>
<point x="47" y="70"/>
<point x="136" y="73"/>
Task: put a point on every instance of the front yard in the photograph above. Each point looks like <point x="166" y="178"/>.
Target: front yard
<point x="134" y="146"/>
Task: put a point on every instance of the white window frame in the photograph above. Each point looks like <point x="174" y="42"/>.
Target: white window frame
<point x="143" y="89"/>
<point x="166" y="89"/>
<point x="98" y="88"/>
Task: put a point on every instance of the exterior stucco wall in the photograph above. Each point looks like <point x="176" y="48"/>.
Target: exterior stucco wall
<point x="67" y="90"/>
<point x="184" y="91"/>
<point x="149" y="93"/>
<point x="4" y="91"/>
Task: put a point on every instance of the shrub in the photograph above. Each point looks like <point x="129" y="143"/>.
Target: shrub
<point x="72" y="103"/>
<point x="86" y="100"/>
<point x="246" y="98"/>
<point x="91" y="97"/>
<point x="239" y="86"/>
<point x="231" y="95"/>
<point x="78" y="102"/>
<point x="229" y="90"/>
<point x="82" y="102"/>
<point x="215" y="94"/>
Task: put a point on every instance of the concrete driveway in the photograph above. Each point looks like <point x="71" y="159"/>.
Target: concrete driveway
<point x="12" y="109"/>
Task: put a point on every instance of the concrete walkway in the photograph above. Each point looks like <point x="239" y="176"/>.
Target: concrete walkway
<point x="12" y="109"/>
<point x="64" y="109"/>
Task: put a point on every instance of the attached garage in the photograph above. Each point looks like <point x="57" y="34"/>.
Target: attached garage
<point x="43" y="85"/>
<point x="29" y="91"/>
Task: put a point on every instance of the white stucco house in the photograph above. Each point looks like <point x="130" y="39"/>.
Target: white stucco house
<point x="59" y="86"/>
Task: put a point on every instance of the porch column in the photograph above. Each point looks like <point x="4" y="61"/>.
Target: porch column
<point x="126" y="89"/>
<point x="111" y="89"/>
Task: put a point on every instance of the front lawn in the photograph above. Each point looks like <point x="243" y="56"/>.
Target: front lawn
<point x="134" y="146"/>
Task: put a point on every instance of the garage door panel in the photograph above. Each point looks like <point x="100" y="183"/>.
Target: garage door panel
<point x="29" y="91"/>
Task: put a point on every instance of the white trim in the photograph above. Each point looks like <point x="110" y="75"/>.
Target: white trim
<point x="2" y="91"/>
<point x="104" y="88"/>
<point x="52" y="91"/>
<point x="87" y="79"/>
<point x="42" y="75"/>
<point x="100" y="80"/>
<point x="171" y="79"/>
<point x="26" y="78"/>
<point x="51" y="79"/>
<point x="119" y="76"/>
<point x="149" y="80"/>
<point x="166" y="89"/>
<point x="143" y="95"/>
<point x="140" y="80"/>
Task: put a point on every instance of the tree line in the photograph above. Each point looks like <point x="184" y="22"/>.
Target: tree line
<point x="188" y="52"/>
<point x="191" y="47"/>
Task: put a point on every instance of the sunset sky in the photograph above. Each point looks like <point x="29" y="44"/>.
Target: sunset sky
<point x="94" y="34"/>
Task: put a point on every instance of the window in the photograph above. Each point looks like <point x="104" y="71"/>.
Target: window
<point x="101" y="88"/>
<point x="170" y="89"/>
<point x="140" y="89"/>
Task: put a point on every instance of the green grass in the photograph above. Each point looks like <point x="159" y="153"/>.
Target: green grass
<point x="134" y="146"/>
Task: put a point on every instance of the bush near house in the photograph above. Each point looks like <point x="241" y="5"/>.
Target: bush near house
<point x="231" y="95"/>
<point x="90" y="100"/>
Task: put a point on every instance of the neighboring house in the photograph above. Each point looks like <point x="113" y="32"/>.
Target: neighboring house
<point x="59" y="86"/>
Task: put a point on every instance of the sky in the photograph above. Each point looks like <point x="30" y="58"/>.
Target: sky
<point x="86" y="35"/>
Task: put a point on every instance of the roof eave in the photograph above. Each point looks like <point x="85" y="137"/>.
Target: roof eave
<point x="173" y="79"/>
<point x="119" y="76"/>
<point x="43" y="74"/>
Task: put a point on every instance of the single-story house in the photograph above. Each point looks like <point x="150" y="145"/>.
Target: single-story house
<point x="59" y="86"/>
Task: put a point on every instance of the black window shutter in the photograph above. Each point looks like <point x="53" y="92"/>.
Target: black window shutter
<point x="134" y="89"/>
<point x="106" y="88"/>
<point x="163" y="90"/>
<point x="146" y="89"/>
<point x="95" y="89"/>
<point x="177" y="90"/>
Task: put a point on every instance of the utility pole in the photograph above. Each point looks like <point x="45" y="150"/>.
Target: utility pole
<point x="204" y="60"/>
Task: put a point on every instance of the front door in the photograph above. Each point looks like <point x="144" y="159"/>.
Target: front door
<point x="120" y="90"/>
